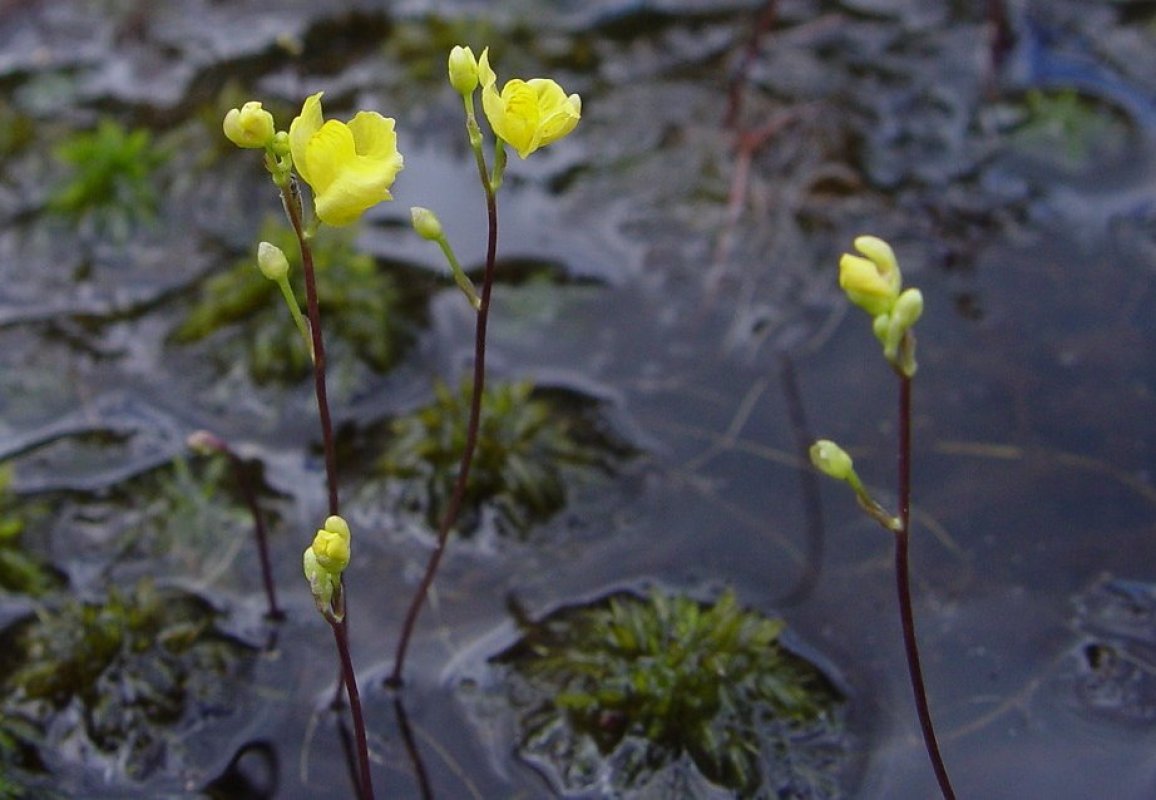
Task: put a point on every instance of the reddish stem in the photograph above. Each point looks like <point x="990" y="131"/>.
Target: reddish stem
<point x="903" y="586"/>
<point x="341" y="638"/>
<point x="454" y="508"/>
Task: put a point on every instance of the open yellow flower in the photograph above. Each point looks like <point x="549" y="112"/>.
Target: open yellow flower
<point x="350" y="166"/>
<point x="527" y="114"/>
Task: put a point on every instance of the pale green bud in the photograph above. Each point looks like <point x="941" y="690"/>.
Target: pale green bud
<point x="321" y="582"/>
<point x="908" y="308"/>
<point x="463" y="70"/>
<point x="249" y="126"/>
<point x="426" y="223"/>
<point x="831" y="459"/>
<point x="272" y="261"/>
<point x="280" y="145"/>
<point x="891" y="329"/>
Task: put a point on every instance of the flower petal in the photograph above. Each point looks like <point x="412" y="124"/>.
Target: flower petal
<point x="486" y="75"/>
<point x="326" y="154"/>
<point x="374" y="137"/>
<point x="351" y="195"/>
<point x="301" y="130"/>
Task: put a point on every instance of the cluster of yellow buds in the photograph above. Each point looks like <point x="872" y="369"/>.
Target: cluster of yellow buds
<point x="324" y="561"/>
<point x="873" y="282"/>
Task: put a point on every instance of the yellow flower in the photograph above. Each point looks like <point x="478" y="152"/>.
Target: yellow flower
<point x="249" y="126"/>
<point x="527" y="114"/>
<point x="872" y="283"/>
<point x="349" y="166"/>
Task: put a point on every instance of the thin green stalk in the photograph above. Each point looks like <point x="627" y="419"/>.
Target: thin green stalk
<point x="903" y="586"/>
<point x="454" y="508"/>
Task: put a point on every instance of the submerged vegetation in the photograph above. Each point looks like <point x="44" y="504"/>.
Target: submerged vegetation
<point x="20" y="571"/>
<point x="125" y="677"/>
<point x="529" y="443"/>
<point x="613" y="693"/>
<point x="371" y="319"/>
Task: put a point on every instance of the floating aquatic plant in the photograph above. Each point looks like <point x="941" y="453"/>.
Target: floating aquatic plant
<point x="366" y="310"/>
<point x="614" y="694"/>
<point x="124" y="678"/>
<point x="526" y="439"/>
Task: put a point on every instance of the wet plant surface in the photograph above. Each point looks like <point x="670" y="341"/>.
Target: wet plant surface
<point x="667" y="275"/>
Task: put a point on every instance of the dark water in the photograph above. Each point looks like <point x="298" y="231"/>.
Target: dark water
<point x="684" y="282"/>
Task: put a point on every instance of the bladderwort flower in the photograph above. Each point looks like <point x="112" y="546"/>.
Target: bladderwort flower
<point x="527" y="115"/>
<point x="350" y="166"/>
<point x="249" y="126"/>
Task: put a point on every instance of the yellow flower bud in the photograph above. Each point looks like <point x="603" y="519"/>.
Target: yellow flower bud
<point x="831" y="459"/>
<point x="249" y="126"/>
<point x="272" y="261"/>
<point x="350" y="166"/>
<point x="872" y="283"/>
<point x="463" y="69"/>
<point x="426" y="223"/>
<point x="527" y="114"/>
<point x="331" y="545"/>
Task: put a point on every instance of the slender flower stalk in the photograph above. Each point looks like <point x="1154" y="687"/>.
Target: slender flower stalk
<point x="527" y="115"/>
<point x="873" y="282"/>
<point x="350" y="168"/>
<point x="903" y="589"/>
<point x="341" y="639"/>
<point x="450" y="516"/>
<point x="324" y="563"/>
<point x="291" y="199"/>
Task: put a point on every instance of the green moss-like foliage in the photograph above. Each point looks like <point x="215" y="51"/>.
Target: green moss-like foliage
<point x="127" y="675"/>
<point x="111" y="175"/>
<point x="525" y="442"/>
<point x="1068" y="128"/>
<point x="613" y="693"/>
<point x="366" y="315"/>
<point x="20" y="571"/>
